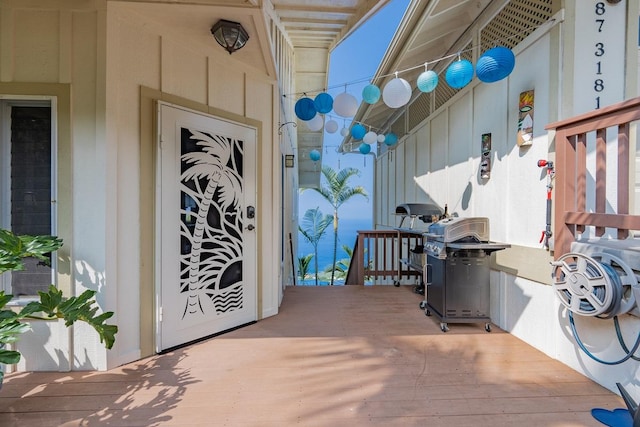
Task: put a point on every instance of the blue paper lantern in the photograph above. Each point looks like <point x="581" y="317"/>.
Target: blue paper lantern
<point x="459" y="74"/>
<point x="364" y="148"/>
<point x="305" y="109"/>
<point x="358" y="131"/>
<point x="495" y="64"/>
<point x="323" y="103"/>
<point x="427" y="81"/>
<point x="390" y="139"/>
<point x="371" y="94"/>
<point x="314" y="155"/>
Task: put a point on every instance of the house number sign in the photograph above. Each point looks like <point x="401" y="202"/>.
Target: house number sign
<point x="599" y="55"/>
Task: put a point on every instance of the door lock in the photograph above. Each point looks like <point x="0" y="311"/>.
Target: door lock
<point x="251" y="212"/>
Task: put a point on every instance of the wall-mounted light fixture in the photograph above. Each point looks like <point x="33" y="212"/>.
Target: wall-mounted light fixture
<point x="230" y="35"/>
<point x="288" y="160"/>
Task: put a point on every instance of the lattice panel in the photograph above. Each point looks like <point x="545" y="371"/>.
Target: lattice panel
<point x="419" y="109"/>
<point x="398" y="126"/>
<point x="515" y="22"/>
<point x="444" y="92"/>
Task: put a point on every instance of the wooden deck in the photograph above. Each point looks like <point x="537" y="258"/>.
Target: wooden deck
<point x="334" y="356"/>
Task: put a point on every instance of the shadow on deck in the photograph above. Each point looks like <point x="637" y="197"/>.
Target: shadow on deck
<point x="334" y="356"/>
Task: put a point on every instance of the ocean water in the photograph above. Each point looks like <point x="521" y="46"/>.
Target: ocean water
<point x="347" y="235"/>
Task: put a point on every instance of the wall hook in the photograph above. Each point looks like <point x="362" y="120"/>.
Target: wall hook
<point x="283" y="124"/>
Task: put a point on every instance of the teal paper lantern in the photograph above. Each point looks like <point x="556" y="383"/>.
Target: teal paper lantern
<point x="427" y="81"/>
<point x="314" y="155"/>
<point x="358" y="131"/>
<point x="364" y="148"/>
<point x="305" y="109"/>
<point x="390" y="139"/>
<point x="495" y="64"/>
<point x="459" y="74"/>
<point x="371" y="94"/>
<point x="323" y="103"/>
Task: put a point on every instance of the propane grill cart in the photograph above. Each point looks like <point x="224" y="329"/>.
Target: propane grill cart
<point x="457" y="271"/>
<point x="410" y="240"/>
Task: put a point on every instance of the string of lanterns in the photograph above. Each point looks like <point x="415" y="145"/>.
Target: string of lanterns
<point x="493" y="65"/>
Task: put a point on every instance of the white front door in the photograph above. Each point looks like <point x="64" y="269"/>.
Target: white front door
<point x="206" y="251"/>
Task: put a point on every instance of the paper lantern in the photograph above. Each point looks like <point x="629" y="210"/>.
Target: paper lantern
<point x="381" y="137"/>
<point x="316" y="123"/>
<point x="331" y="126"/>
<point x="391" y="139"/>
<point x="370" y="137"/>
<point x="358" y="131"/>
<point x="314" y="155"/>
<point x="345" y="105"/>
<point x="323" y="103"/>
<point x="305" y="108"/>
<point x="427" y="81"/>
<point x="495" y="64"/>
<point x="371" y="94"/>
<point x="396" y="93"/>
<point x="364" y="148"/>
<point x="344" y="131"/>
<point x="459" y="74"/>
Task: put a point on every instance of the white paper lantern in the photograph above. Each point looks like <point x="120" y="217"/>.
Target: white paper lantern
<point x="331" y="126"/>
<point x="344" y="131"/>
<point x="345" y="105"/>
<point x="381" y="137"/>
<point x="396" y="93"/>
<point x="316" y="123"/>
<point x="370" y="137"/>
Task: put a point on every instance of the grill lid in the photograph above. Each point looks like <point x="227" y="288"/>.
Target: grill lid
<point x="456" y="229"/>
<point x="418" y="209"/>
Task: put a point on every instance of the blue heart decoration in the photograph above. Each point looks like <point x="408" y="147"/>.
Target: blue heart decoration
<point x="616" y="418"/>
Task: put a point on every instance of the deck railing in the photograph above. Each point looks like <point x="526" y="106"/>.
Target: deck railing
<point x="382" y="257"/>
<point x="571" y="190"/>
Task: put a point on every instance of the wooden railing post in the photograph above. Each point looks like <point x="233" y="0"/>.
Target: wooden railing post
<point x="572" y="215"/>
<point x="376" y="256"/>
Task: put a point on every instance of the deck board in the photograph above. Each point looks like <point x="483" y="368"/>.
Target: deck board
<point x="334" y="356"/>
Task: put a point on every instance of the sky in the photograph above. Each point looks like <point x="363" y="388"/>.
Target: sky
<point x="356" y="59"/>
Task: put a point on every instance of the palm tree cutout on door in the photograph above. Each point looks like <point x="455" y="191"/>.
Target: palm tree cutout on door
<point x="211" y="223"/>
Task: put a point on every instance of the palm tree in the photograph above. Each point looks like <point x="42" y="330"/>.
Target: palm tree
<point x="212" y="170"/>
<point x="315" y="225"/>
<point x="303" y="265"/>
<point x="337" y="192"/>
<point x="342" y="265"/>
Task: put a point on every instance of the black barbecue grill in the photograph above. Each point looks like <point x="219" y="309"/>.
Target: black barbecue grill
<point x="457" y="270"/>
<point x="423" y="211"/>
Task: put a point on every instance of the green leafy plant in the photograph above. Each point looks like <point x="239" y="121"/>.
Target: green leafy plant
<point x="52" y="304"/>
<point x="304" y="263"/>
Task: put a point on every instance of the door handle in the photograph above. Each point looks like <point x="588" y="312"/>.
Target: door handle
<point x="250" y="227"/>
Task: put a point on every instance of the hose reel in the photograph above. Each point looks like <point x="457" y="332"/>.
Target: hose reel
<point x="599" y="285"/>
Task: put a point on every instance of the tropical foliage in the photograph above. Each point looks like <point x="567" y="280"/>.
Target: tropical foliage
<point x="314" y="225"/>
<point x="336" y="191"/>
<point x="304" y="262"/>
<point x="52" y="305"/>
